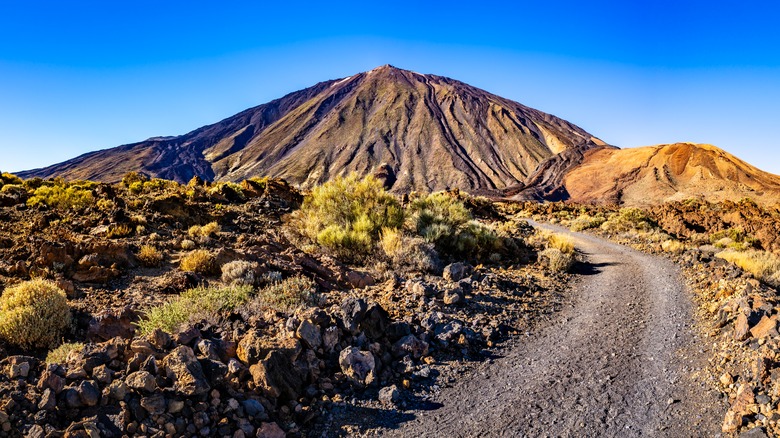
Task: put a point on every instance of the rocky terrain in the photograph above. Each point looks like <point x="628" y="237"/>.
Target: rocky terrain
<point x="387" y="116"/>
<point x="728" y="255"/>
<point x="274" y="365"/>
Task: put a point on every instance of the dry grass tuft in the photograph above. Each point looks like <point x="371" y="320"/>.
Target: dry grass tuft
<point x="200" y="261"/>
<point x="762" y="264"/>
<point x="150" y="256"/>
<point x="60" y="354"/>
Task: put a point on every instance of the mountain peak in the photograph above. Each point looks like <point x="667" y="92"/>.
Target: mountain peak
<point x="434" y="133"/>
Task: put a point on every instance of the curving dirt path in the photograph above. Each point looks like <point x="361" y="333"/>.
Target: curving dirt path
<point x="618" y="362"/>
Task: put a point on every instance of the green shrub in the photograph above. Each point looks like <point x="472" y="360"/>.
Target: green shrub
<point x="230" y="191"/>
<point x="586" y="222"/>
<point x="33" y="314"/>
<point x="733" y="238"/>
<point x="346" y="214"/>
<point x="60" y="354"/>
<point x="132" y="178"/>
<point x="628" y="219"/>
<point x="443" y="220"/>
<point x="194" y="305"/>
<point x="62" y="197"/>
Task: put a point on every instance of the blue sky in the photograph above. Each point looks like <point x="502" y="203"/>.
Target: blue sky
<point x="84" y="76"/>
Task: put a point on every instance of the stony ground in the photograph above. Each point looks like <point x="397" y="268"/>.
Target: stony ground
<point x="621" y="360"/>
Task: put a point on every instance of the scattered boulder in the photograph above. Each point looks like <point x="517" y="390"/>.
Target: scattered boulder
<point x="410" y="345"/>
<point x="358" y="365"/>
<point x="389" y="395"/>
<point x="183" y="368"/>
<point x="277" y="376"/>
<point x="456" y="271"/>
<point x="309" y="334"/>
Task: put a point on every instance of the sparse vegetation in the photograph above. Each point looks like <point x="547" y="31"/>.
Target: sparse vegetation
<point x="763" y="265"/>
<point x="118" y="231"/>
<point x="62" y="197"/>
<point x="287" y="295"/>
<point x="240" y="272"/>
<point x="33" y="314"/>
<point x="150" y="256"/>
<point x="561" y="242"/>
<point x="199" y="260"/>
<point x="60" y="354"/>
<point x="407" y="253"/>
<point x="204" y="231"/>
<point x="557" y="260"/>
<point x="346" y="215"/>
<point x="673" y="246"/>
<point x="444" y="221"/>
<point x="193" y="305"/>
<point x="587" y="222"/>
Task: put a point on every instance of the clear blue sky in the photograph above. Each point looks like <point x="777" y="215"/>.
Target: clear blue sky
<point x="81" y="76"/>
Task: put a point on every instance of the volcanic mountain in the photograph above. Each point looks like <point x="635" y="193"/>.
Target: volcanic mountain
<point x="655" y="174"/>
<point x="424" y="132"/>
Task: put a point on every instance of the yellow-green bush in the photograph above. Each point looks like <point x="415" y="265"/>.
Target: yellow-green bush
<point x="33" y="314"/>
<point x="62" y="197"/>
<point x="194" y="305"/>
<point x="628" y="219"/>
<point x="204" y="231"/>
<point x="443" y="220"/>
<point x="733" y="238"/>
<point x="761" y="264"/>
<point x="586" y="222"/>
<point x="346" y="214"/>
<point x="117" y="231"/>
<point x="9" y="178"/>
<point x="199" y="260"/>
<point x="60" y="354"/>
<point x="150" y="256"/>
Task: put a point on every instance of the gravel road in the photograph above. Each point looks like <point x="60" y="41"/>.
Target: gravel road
<point x="618" y="362"/>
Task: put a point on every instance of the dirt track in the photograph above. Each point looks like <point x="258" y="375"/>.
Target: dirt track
<point x="616" y="363"/>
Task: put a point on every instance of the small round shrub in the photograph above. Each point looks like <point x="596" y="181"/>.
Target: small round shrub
<point x="557" y="260"/>
<point x="150" y="256"/>
<point x="240" y="272"/>
<point x="33" y="314"/>
<point x="200" y="261"/>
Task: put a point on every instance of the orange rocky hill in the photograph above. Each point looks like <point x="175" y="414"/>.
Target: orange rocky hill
<point x="656" y="174"/>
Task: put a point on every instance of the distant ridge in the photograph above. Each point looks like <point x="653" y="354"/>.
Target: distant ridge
<point x="431" y="132"/>
<point x="425" y="133"/>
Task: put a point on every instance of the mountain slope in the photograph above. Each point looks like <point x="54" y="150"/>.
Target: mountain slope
<point x="655" y="174"/>
<point x="433" y="133"/>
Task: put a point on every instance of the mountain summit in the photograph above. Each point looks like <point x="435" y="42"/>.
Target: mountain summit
<point x="426" y="133"/>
